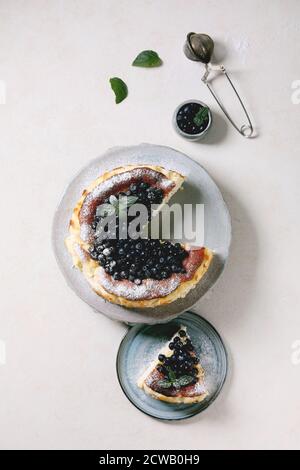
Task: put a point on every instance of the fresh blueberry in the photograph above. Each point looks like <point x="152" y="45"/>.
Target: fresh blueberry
<point x="161" y="369"/>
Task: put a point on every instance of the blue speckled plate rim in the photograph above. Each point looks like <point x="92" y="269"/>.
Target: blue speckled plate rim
<point x="208" y="403"/>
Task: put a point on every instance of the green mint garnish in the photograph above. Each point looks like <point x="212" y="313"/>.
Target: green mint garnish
<point x="201" y="116"/>
<point x="116" y="205"/>
<point x="147" y="59"/>
<point x="125" y="202"/>
<point x="164" y="383"/>
<point x="184" y="380"/>
<point x="119" y="88"/>
<point x="172" y="381"/>
<point x="171" y="374"/>
<point x="105" y="210"/>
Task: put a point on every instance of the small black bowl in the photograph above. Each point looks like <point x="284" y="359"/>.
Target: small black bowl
<point x="185" y="119"/>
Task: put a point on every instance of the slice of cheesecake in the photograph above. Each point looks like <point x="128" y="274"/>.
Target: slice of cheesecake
<point x="176" y="376"/>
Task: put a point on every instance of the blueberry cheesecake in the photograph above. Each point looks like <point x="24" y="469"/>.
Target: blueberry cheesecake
<point x="176" y="376"/>
<point x="141" y="273"/>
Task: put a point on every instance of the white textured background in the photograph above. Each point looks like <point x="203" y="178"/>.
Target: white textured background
<point x="58" y="382"/>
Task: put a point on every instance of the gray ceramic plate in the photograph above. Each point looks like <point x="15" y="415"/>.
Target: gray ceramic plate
<point x="199" y="188"/>
<point x="140" y="347"/>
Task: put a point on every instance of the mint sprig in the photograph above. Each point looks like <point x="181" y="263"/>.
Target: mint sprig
<point x="164" y="383"/>
<point x="172" y="381"/>
<point x="117" y="206"/>
<point x="201" y="116"/>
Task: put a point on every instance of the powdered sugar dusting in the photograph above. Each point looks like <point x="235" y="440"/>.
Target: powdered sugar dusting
<point x="149" y="289"/>
<point x="197" y="389"/>
<point x="86" y="232"/>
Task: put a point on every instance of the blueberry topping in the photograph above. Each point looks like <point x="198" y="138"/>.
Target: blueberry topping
<point x="182" y="362"/>
<point x="161" y="369"/>
<point x="178" y="347"/>
<point x="141" y="259"/>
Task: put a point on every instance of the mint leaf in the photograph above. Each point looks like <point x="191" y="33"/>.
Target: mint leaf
<point x="104" y="210"/>
<point x="171" y="374"/>
<point x="147" y="59"/>
<point x="127" y="201"/>
<point x="176" y="383"/>
<point x="119" y="88"/>
<point x="164" y="383"/>
<point x="184" y="380"/>
<point x="201" y="116"/>
<point x="113" y="201"/>
<point x="116" y="206"/>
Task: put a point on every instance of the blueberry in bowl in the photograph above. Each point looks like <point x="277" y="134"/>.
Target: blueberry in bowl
<point x="192" y="119"/>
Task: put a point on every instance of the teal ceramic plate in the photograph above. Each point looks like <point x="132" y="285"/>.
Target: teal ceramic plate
<point x="140" y="347"/>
